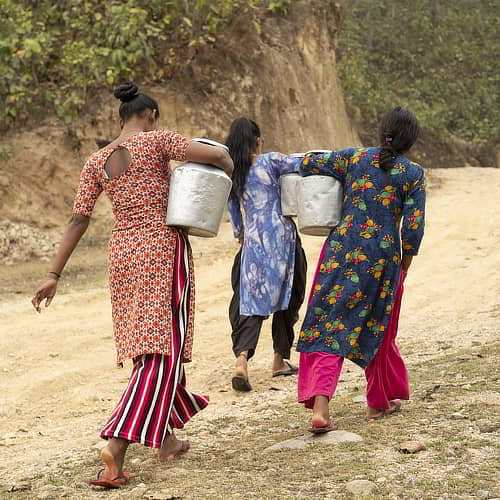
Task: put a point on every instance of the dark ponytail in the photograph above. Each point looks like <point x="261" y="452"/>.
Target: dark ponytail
<point x="241" y="142"/>
<point x="133" y="103"/>
<point x="398" y="132"/>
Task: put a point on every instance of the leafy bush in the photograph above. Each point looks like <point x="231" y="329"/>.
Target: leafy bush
<point x="437" y="57"/>
<point x="54" y="53"/>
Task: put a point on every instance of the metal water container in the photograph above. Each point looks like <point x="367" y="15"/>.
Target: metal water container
<point x="289" y="186"/>
<point x="320" y="200"/>
<point x="198" y="196"/>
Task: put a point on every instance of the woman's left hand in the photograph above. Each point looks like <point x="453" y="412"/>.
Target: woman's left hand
<point x="46" y="291"/>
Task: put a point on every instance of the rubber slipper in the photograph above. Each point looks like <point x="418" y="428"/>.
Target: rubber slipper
<point x="322" y="429"/>
<point x="114" y="483"/>
<point x="292" y="370"/>
<point x="241" y="383"/>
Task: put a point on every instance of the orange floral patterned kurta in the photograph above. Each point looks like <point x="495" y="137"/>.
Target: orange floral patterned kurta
<point x="142" y="247"/>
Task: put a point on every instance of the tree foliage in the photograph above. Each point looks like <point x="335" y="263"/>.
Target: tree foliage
<point x="53" y="53"/>
<point x="438" y="57"/>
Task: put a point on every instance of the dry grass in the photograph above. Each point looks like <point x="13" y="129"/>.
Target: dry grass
<point x="454" y="411"/>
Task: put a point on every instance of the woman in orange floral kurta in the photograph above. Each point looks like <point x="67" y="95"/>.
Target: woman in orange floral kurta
<point x="150" y="276"/>
<point x="142" y="246"/>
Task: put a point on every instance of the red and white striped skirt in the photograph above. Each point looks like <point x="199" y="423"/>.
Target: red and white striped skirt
<point x="156" y="399"/>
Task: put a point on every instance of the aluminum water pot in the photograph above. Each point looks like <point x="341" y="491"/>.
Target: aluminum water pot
<point x="320" y="200"/>
<point x="198" y="196"/>
<point x="288" y="186"/>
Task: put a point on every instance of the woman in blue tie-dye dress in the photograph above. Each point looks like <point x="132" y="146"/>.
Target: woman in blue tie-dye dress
<point x="269" y="271"/>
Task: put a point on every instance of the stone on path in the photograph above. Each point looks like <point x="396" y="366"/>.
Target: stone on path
<point x="289" y="444"/>
<point x="333" y="437"/>
<point x="358" y="399"/>
<point x="329" y="438"/>
<point x="411" y="447"/>
<point x="483" y="494"/>
<point x="360" y="487"/>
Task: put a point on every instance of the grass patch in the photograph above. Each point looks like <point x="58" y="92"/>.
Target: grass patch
<point x="228" y="458"/>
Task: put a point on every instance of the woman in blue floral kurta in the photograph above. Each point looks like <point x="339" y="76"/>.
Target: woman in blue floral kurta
<point x="353" y="294"/>
<point x="269" y="271"/>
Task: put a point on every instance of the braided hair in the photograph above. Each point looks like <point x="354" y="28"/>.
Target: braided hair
<point x="398" y="132"/>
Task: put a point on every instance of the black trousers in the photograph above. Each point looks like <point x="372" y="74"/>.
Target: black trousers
<point x="246" y="329"/>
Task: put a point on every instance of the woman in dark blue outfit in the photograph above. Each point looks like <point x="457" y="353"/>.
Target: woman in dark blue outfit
<point x="361" y="266"/>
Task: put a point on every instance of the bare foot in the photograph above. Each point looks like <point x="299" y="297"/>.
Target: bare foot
<point x="377" y="413"/>
<point x="172" y="448"/>
<point x="394" y="406"/>
<point x="374" y="413"/>
<point x="321" y="413"/>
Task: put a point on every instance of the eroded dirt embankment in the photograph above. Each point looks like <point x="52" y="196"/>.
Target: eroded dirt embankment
<point x="284" y="78"/>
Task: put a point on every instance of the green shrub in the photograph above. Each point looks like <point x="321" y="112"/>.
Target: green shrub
<point x="53" y="53"/>
<point x="437" y="57"/>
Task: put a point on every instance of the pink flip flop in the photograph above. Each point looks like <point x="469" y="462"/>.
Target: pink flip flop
<point x="321" y="429"/>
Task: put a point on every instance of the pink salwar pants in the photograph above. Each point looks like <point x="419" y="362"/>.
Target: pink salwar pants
<point x="386" y="376"/>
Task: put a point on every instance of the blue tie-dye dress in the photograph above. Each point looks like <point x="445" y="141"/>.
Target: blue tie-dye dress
<point x="268" y="256"/>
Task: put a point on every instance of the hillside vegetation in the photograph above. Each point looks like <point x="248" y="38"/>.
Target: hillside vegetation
<point x="56" y="53"/>
<point x="436" y="56"/>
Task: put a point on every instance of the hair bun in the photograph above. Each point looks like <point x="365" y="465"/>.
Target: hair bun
<point x="126" y="91"/>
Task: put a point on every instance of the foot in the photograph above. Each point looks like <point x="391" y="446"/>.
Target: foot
<point x="113" y="456"/>
<point x="322" y="428"/>
<point x="318" y="421"/>
<point x="279" y="363"/>
<point x="286" y="370"/>
<point x="374" y="413"/>
<point x="241" y="366"/>
<point x="321" y="413"/>
<point x="394" y="406"/>
<point x="377" y="413"/>
<point x="172" y="448"/>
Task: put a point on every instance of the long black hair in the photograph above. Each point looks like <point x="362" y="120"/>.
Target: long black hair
<point x="242" y="141"/>
<point x="398" y="132"/>
<point x="133" y="102"/>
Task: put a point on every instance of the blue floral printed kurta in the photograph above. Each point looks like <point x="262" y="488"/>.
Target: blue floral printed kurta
<point x="352" y="294"/>
<point x="268" y="255"/>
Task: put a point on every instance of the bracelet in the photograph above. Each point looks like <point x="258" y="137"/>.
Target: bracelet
<point x="55" y="274"/>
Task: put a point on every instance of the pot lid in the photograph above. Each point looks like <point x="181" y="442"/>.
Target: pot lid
<point x="209" y="142"/>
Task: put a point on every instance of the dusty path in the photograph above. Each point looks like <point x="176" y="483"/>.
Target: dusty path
<point x="57" y="376"/>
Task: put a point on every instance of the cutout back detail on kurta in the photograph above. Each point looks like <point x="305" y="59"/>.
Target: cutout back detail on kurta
<point x="118" y="163"/>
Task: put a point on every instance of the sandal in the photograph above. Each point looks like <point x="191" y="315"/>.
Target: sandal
<point x="109" y="484"/>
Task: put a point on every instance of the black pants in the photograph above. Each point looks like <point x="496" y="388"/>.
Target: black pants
<point x="246" y="329"/>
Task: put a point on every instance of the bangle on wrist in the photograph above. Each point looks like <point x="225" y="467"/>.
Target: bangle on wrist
<point x="55" y="274"/>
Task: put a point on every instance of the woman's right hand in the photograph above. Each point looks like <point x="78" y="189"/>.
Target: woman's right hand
<point x="46" y="291"/>
<point x="202" y="153"/>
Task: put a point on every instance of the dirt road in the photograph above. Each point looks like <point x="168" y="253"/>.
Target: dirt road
<point x="57" y="375"/>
